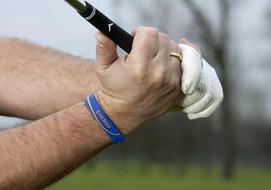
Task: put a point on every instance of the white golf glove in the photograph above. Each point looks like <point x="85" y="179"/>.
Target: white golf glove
<point x="200" y="84"/>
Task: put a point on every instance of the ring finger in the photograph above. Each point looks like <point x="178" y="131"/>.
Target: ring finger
<point x="175" y="53"/>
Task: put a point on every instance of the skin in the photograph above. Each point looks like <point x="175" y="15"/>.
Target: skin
<point x="38" y="154"/>
<point x="65" y="79"/>
<point x="39" y="81"/>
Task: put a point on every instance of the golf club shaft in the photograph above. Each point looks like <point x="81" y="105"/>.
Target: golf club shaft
<point x="122" y="38"/>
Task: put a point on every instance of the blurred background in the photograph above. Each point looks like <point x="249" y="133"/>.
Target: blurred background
<point x="231" y="149"/>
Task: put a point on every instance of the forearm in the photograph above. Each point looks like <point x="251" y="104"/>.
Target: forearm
<point x="38" y="154"/>
<point x="37" y="81"/>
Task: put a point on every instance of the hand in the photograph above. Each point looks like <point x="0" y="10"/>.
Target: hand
<point x="200" y="84"/>
<point x="141" y="86"/>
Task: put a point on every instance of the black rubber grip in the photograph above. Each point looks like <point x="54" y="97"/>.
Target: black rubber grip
<point x="122" y="38"/>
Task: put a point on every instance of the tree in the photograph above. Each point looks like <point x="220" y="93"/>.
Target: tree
<point x="192" y="19"/>
<point x="218" y="47"/>
<point x="217" y="43"/>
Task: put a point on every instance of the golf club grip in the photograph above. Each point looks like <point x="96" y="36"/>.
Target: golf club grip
<point x="122" y="38"/>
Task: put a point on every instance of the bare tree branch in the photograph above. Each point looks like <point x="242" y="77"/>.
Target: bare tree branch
<point x="201" y="21"/>
<point x="224" y="37"/>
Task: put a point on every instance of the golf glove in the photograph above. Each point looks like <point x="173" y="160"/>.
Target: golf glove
<point x="200" y="84"/>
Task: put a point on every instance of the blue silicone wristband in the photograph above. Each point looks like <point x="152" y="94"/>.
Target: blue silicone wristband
<point x="104" y="121"/>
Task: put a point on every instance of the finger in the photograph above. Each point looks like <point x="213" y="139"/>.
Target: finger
<point x="200" y="105"/>
<point x="191" y="67"/>
<point x="176" y="68"/>
<point x="176" y="63"/>
<point x="175" y="49"/>
<point x="106" y="51"/>
<point x="186" y="42"/>
<point x="206" y="113"/>
<point x="145" y="45"/>
<point x="164" y="48"/>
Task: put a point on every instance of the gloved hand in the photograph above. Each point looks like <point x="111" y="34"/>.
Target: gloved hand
<point x="200" y="84"/>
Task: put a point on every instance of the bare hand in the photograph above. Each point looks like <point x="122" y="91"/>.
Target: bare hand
<point x="141" y="86"/>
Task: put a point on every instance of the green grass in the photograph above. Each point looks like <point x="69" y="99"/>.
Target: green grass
<point x="105" y="177"/>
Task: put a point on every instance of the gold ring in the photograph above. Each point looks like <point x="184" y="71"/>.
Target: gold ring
<point x="178" y="56"/>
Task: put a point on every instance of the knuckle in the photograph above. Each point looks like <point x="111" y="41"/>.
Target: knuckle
<point x="147" y="42"/>
<point x="100" y="49"/>
<point x="164" y="38"/>
<point x="160" y="78"/>
<point x="148" y="31"/>
<point x="163" y="35"/>
<point x="152" y="31"/>
<point x="139" y="73"/>
<point x="105" y="49"/>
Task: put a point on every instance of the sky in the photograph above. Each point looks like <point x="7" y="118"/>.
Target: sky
<point x="50" y="23"/>
<point x="55" y="24"/>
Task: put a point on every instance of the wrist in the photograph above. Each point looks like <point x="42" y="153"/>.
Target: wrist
<point x="85" y="125"/>
<point x="117" y="111"/>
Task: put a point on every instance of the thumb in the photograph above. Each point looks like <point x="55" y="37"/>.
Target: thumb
<point x="106" y="51"/>
<point x="192" y="68"/>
